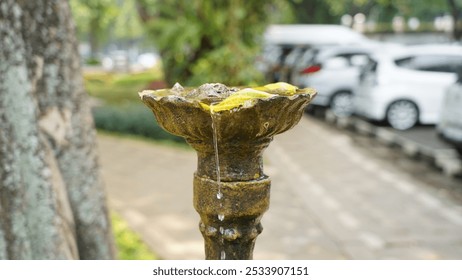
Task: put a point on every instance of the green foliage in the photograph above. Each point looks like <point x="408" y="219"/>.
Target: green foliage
<point x="93" y="19"/>
<point x="383" y="11"/>
<point x="134" y="119"/>
<point x="127" y="24"/>
<point x="92" y="61"/>
<point x="424" y="9"/>
<point x="99" y="20"/>
<point x="210" y="40"/>
<point x="313" y="11"/>
<point x="129" y="244"/>
<point x="231" y="60"/>
<point x="86" y="11"/>
<point x="123" y="112"/>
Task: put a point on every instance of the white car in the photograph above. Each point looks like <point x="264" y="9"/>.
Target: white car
<point x="450" y="125"/>
<point x="334" y="73"/>
<point x="407" y="87"/>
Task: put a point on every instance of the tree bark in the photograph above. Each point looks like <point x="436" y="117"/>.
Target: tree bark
<point x="52" y="203"/>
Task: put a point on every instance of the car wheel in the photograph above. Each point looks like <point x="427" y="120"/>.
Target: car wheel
<point x="402" y="114"/>
<point x="342" y="104"/>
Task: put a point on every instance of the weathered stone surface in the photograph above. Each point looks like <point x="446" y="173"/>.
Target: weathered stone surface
<point x="230" y="224"/>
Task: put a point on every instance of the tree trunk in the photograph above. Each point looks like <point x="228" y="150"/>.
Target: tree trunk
<point x="456" y="13"/>
<point x="52" y="204"/>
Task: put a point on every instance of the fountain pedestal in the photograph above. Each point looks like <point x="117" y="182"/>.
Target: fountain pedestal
<point x="231" y="192"/>
<point x="242" y="207"/>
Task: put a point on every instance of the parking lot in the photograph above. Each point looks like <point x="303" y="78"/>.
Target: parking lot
<point x="420" y="143"/>
<point x="412" y="85"/>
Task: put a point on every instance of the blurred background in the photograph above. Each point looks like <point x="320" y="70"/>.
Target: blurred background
<point x="390" y="62"/>
<point x="388" y="76"/>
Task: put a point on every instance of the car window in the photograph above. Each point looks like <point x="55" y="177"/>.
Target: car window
<point x="308" y="57"/>
<point x="336" y="62"/>
<point x="359" y="60"/>
<point x="294" y="56"/>
<point x="434" y="63"/>
<point x="370" y="67"/>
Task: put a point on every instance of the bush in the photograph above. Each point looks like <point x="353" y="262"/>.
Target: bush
<point x="92" y="61"/>
<point x="135" y="119"/>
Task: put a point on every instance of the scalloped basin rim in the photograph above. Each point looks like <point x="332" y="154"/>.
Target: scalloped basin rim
<point x="165" y="96"/>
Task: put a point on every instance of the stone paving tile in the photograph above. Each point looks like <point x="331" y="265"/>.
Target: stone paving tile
<point x="329" y="200"/>
<point x="363" y="204"/>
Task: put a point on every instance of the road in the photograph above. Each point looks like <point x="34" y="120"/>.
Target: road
<point x="335" y="195"/>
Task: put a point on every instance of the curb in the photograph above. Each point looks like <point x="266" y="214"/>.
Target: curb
<point x="445" y="160"/>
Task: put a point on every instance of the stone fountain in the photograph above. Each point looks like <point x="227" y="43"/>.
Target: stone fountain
<point x="229" y="128"/>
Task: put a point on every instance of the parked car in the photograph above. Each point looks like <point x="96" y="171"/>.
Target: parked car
<point x="311" y="34"/>
<point x="285" y="44"/>
<point x="334" y="73"/>
<point x="450" y="124"/>
<point x="407" y="87"/>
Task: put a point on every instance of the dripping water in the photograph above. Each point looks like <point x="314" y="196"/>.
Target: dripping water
<point x="215" y="121"/>
<point x="221" y="217"/>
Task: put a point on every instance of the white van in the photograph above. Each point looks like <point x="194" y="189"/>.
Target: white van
<point x="312" y="35"/>
<point x="287" y="45"/>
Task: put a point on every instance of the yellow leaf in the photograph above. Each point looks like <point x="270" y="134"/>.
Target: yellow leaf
<point x="239" y="98"/>
<point x="279" y="88"/>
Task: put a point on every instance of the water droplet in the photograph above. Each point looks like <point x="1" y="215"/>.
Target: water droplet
<point x="210" y="231"/>
<point x="221" y="217"/>
<point x="219" y="195"/>
<point x="230" y="234"/>
<point x="223" y="255"/>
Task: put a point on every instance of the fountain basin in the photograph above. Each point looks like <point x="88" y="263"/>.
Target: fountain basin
<point x="229" y="128"/>
<point x="242" y="132"/>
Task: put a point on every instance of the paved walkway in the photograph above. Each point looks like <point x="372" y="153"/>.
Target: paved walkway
<point x="330" y="200"/>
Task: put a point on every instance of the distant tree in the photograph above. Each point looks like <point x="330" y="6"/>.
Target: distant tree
<point x="205" y="41"/>
<point x="423" y="9"/>
<point x="94" y="18"/>
<point x="313" y="12"/>
<point x="52" y="204"/>
<point x="456" y="13"/>
<point x="127" y="23"/>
